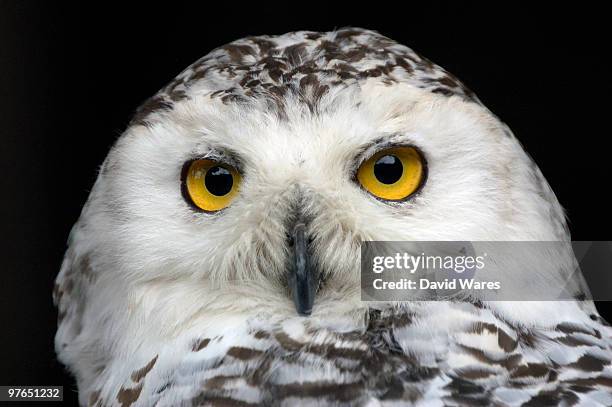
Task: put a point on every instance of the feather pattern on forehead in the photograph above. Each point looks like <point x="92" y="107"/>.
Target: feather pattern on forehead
<point x="304" y="64"/>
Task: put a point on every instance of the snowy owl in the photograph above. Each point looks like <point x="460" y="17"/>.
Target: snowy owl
<point x="217" y="259"/>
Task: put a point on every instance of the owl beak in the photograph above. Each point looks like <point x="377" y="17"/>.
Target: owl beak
<point x="302" y="280"/>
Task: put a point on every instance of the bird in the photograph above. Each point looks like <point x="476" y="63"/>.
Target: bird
<point x="216" y="261"/>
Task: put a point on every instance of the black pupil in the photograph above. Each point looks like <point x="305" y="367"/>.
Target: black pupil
<point x="388" y="169"/>
<point x="218" y="181"/>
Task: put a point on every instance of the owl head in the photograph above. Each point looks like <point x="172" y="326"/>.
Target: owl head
<point x="247" y="184"/>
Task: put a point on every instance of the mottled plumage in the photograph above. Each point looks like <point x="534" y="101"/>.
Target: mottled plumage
<point x="161" y="305"/>
<point x="471" y="357"/>
<point x="305" y="64"/>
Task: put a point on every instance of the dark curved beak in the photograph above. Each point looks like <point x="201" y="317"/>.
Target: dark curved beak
<point x="303" y="279"/>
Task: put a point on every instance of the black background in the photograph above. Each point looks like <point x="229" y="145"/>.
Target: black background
<point x="70" y="78"/>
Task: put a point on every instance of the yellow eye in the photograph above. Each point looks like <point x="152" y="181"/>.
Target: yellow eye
<point x="210" y="185"/>
<point x="392" y="174"/>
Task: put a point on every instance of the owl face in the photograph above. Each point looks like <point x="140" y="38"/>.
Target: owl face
<point x="243" y="189"/>
<point x="211" y="196"/>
